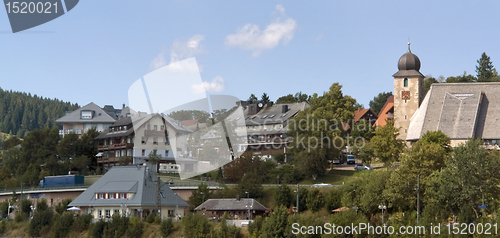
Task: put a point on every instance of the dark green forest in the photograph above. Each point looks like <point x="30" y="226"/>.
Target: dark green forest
<point x="22" y="112"/>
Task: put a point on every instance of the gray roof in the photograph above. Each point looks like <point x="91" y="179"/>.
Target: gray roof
<point x="99" y="115"/>
<point x="265" y="115"/>
<point x="114" y="134"/>
<point x="135" y="179"/>
<point x="177" y="125"/>
<point x="230" y="204"/>
<point x="460" y="110"/>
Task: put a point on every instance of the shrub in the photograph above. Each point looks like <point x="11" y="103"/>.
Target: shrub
<point x="42" y="205"/>
<point x="41" y="219"/>
<point x="315" y="200"/>
<point x="233" y="231"/>
<point x="97" y="229"/>
<point x="62" y="206"/>
<point x="18" y="218"/>
<point x="157" y="219"/>
<point x="26" y="206"/>
<point x="63" y="224"/>
<point x="4" y="207"/>
<point x="135" y="228"/>
<point x="82" y="222"/>
<point x="255" y="227"/>
<point x="117" y="227"/>
<point x="166" y="227"/>
<point x="150" y="218"/>
<point x="3" y="225"/>
<point x="196" y="225"/>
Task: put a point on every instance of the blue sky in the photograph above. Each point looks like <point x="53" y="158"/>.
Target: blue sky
<point x="97" y="50"/>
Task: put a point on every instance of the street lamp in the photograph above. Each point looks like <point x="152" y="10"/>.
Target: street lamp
<point x="382" y="207"/>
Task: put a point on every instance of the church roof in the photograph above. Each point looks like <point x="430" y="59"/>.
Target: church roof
<point x="460" y="110"/>
<point x="408" y="65"/>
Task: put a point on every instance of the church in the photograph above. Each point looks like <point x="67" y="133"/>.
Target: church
<point x="459" y="110"/>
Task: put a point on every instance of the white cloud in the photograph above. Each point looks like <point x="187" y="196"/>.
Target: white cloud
<point x="251" y="37"/>
<point x="217" y="85"/>
<point x="180" y="50"/>
<point x="185" y="49"/>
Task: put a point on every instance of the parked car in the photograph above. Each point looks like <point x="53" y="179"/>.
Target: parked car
<point x="322" y="185"/>
<point x="338" y="161"/>
<point x="362" y="167"/>
<point x="351" y="159"/>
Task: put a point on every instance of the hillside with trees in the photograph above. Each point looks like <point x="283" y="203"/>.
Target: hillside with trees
<point x="22" y="112"/>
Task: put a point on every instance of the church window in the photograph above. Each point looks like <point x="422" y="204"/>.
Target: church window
<point x="405" y="82"/>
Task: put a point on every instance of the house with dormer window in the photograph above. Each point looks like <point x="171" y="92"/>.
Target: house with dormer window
<point x="129" y="191"/>
<point x="87" y="117"/>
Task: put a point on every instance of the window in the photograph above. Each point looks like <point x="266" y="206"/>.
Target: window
<point x="143" y="140"/>
<point x="166" y="141"/>
<point x="171" y="213"/>
<point x="124" y="212"/>
<point x="99" y="213"/>
<point x="143" y="153"/>
<point x="117" y="153"/>
<point x="124" y="127"/>
<point x="162" y="127"/>
<point x="284" y="115"/>
<point x="405" y="82"/>
<point x="272" y="116"/>
<point x="265" y="127"/>
<point x="166" y="153"/>
<point x="101" y="196"/>
<point x="86" y="115"/>
<point x="264" y="117"/>
<point x="108" y="213"/>
<point x="116" y="211"/>
<point x="155" y="127"/>
<point x="155" y="140"/>
<point x="254" y="127"/>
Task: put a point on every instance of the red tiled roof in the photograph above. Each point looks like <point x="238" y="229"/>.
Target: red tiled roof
<point x="189" y="122"/>
<point x="382" y="115"/>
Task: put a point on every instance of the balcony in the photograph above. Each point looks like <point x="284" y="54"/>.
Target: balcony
<point x="157" y="133"/>
<point x="74" y="131"/>
<point x="116" y="146"/>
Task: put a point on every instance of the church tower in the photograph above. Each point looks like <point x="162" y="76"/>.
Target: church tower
<point x="408" y="87"/>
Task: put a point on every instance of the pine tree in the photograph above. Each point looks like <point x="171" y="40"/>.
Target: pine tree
<point x="485" y="70"/>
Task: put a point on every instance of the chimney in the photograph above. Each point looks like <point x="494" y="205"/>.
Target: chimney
<point x="269" y="104"/>
<point x="284" y="109"/>
<point x="238" y="198"/>
<point x="123" y="105"/>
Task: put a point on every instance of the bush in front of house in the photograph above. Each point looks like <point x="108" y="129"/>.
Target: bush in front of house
<point x="166" y="227"/>
<point x="135" y="228"/>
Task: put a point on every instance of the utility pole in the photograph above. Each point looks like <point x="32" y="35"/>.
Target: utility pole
<point x="21" y="200"/>
<point x="297" y="198"/>
<point x="418" y="198"/>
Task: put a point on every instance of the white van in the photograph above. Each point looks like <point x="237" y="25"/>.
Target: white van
<point x="351" y="159"/>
